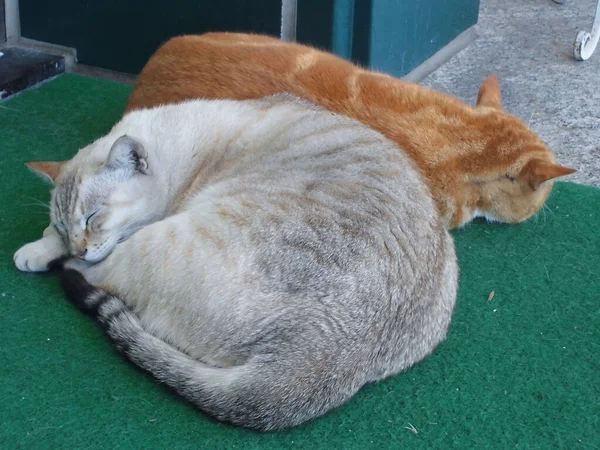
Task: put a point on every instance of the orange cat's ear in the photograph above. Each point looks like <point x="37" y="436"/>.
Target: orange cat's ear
<point x="489" y="93"/>
<point x="537" y="171"/>
<point x="49" y="170"/>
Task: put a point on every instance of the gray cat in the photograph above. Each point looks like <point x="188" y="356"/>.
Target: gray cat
<point x="265" y="259"/>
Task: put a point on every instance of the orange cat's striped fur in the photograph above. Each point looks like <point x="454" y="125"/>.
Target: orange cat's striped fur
<point x="479" y="161"/>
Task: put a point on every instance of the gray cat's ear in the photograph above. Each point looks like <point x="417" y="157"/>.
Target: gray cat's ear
<point x="49" y="170"/>
<point x="127" y="153"/>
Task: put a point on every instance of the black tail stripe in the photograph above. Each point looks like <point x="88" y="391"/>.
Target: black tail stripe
<point x="78" y="290"/>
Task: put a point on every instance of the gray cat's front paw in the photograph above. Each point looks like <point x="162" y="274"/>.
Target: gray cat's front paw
<point x="35" y="256"/>
<point x="32" y="257"/>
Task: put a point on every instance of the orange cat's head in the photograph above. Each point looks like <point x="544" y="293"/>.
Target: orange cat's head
<point x="513" y="174"/>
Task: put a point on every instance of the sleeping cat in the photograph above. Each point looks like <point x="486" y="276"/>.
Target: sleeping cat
<point x="264" y="258"/>
<point x="477" y="161"/>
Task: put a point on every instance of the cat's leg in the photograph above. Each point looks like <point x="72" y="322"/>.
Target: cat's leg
<point x="35" y="256"/>
<point x="94" y="273"/>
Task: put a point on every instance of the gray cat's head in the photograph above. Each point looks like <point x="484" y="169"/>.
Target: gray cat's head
<point x="100" y="201"/>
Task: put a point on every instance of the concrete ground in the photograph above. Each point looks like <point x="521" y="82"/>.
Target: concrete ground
<point x="528" y="44"/>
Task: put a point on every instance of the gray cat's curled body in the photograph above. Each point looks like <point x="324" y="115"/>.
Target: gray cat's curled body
<point x="286" y="255"/>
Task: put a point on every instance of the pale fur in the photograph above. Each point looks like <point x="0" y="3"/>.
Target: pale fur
<point x="289" y="255"/>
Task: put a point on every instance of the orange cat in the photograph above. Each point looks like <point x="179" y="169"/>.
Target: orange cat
<point x="478" y="161"/>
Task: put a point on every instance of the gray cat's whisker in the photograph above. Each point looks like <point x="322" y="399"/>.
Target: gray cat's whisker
<point x="28" y="205"/>
<point x="38" y="203"/>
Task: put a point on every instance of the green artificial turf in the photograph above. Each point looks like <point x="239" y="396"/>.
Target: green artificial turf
<point x="519" y="371"/>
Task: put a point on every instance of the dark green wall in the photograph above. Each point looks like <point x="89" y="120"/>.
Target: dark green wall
<point x="393" y="36"/>
<point x="2" y="23"/>
<point x="122" y="34"/>
<point x="389" y="35"/>
<point x="405" y="33"/>
<point x="314" y="22"/>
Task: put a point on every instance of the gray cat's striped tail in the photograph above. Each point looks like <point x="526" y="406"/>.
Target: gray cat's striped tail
<point x="260" y="395"/>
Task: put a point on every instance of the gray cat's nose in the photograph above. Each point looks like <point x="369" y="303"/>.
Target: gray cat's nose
<point x="81" y="254"/>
